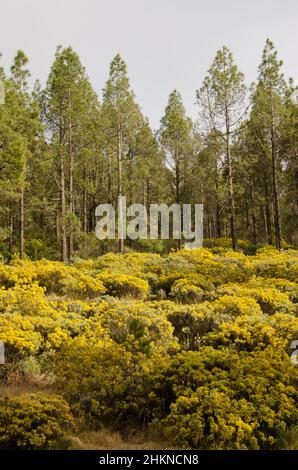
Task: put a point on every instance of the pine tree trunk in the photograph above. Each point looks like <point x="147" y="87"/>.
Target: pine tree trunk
<point x="268" y="224"/>
<point x="85" y="217"/>
<point x="277" y="224"/>
<point x="148" y="198"/>
<point x="177" y="184"/>
<point x="217" y="215"/>
<point x="11" y="228"/>
<point x="110" y="196"/>
<point x="71" y="193"/>
<point x="247" y="218"/>
<point x="22" y="223"/>
<point x="58" y="236"/>
<point x="231" y="196"/>
<point x="63" y="212"/>
<point x="130" y="178"/>
<point x="119" y="159"/>
<point x="296" y="199"/>
<point x="91" y="218"/>
<point x="209" y="225"/>
<point x="253" y="215"/>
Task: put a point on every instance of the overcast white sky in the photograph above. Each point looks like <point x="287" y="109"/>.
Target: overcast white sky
<point x="166" y="44"/>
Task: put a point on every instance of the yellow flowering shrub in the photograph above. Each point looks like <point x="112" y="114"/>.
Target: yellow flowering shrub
<point x="16" y="273"/>
<point x="283" y="285"/>
<point x="107" y="381"/>
<point x="227" y="266"/>
<point x="270" y="299"/>
<point x="31" y="323"/>
<point x="272" y="263"/>
<point x="124" y="285"/>
<point x="67" y="280"/>
<point x="25" y="299"/>
<point x="231" y="306"/>
<point x="185" y="291"/>
<point x="134" y="263"/>
<point x="224" y="243"/>
<point x="254" y="332"/>
<point x="34" y="421"/>
<point x="191" y="323"/>
<point x="196" y="340"/>
<point x="19" y="336"/>
<point x="54" y="276"/>
<point x="138" y="326"/>
<point x="224" y="399"/>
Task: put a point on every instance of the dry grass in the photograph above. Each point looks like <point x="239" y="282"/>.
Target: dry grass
<point x="17" y="384"/>
<point x="110" y="440"/>
<point x="289" y="440"/>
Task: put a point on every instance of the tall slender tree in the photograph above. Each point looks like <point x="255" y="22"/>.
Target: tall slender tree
<point x="267" y="114"/>
<point x="222" y="103"/>
<point x="68" y="98"/>
<point x="175" y="136"/>
<point x="28" y="126"/>
<point x="121" y="115"/>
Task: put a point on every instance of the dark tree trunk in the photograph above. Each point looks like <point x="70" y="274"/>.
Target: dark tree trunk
<point x="63" y="212"/>
<point x="231" y="197"/>
<point x="119" y="159"/>
<point x="277" y="223"/>
<point x="85" y="218"/>
<point x="22" y="223"/>
<point x="71" y="193"/>
<point x="267" y="213"/>
<point x="11" y="229"/>
<point x="217" y="215"/>
<point x="253" y="216"/>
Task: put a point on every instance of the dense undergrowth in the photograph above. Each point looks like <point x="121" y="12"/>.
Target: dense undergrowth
<point x="193" y="347"/>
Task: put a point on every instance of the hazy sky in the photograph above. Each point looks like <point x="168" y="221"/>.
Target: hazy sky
<point x="166" y="44"/>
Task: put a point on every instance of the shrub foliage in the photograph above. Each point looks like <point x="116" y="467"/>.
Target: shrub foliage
<point x="197" y="342"/>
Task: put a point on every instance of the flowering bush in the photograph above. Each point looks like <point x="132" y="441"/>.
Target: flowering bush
<point x="122" y="285"/>
<point x="106" y="381"/>
<point x="198" y="341"/>
<point x="254" y="332"/>
<point x="270" y="299"/>
<point x="230" y="400"/>
<point x="54" y="276"/>
<point x="140" y="327"/>
<point x="67" y="280"/>
<point x="272" y="263"/>
<point x="34" y="421"/>
<point x="186" y="292"/>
